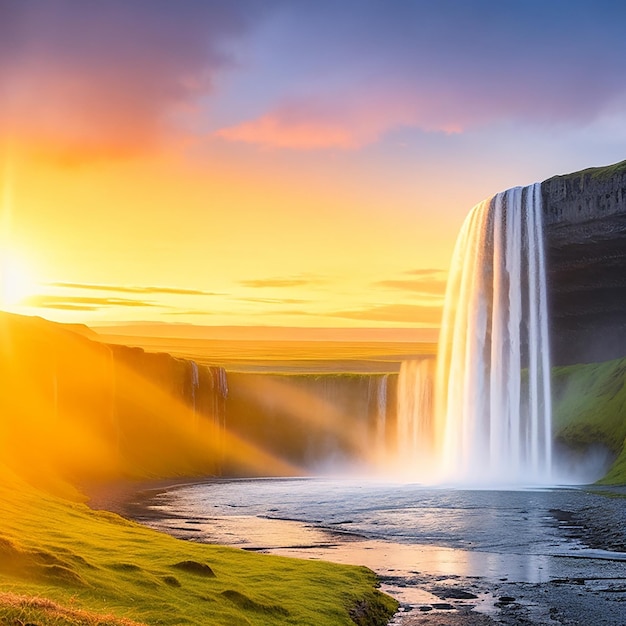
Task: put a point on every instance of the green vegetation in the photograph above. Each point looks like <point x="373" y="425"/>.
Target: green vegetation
<point x="590" y="407"/>
<point x="597" y="173"/>
<point x="62" y="563"/>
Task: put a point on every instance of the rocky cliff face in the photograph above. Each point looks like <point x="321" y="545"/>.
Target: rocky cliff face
<point x="585" y="228"/>
<point x="72" y="405"/>
<point x="315" y="421"/>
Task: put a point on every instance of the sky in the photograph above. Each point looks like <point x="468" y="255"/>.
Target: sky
<point x="281" y="162"/>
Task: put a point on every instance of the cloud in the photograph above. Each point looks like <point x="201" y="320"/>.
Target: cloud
<point x="427" y="272"/>
<point x="279" y="132"/>
<point x="92" y="80"/>
<point x="402" y="313"/>
<point x="427" y="282"/>
<point x="273" y="300"/>
<point x="421" y="286"/>
<point x="279" y="282"/>
<point x="139" y="290"/>
<point x="112" y="79"/>
<point x="444" y="67"/>
<point x="344" y="121"/>
<point x="186" y="312"/>
<point x="81" y="303"/>
<point x="405" y="313"/>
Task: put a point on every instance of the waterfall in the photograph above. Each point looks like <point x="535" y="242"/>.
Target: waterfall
<point x="414" y="416"/>
<point x="493" y="400"/>
<point x="195" y="384"/>
<point x="222" y="382"/>
<point x="381" y="416"/>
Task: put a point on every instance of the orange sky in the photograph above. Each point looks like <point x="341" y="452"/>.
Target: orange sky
<point x="213" y="165"/>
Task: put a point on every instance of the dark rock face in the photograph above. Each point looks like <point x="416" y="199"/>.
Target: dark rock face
<point x="585" y="228"/>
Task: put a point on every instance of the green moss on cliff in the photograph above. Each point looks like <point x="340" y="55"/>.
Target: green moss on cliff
<point x="590" y="408"/>
<point x="596" y="173"/>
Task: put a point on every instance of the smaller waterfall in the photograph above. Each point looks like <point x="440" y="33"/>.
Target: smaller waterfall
<point x="195" y="383"/>
<point x="219" y="383"/>
<point x="222" y="382"/>
<point x="415" y="416"/>
<point x="381" y="417"/>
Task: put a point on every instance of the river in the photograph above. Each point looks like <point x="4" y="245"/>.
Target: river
<point x="439" y="551"/>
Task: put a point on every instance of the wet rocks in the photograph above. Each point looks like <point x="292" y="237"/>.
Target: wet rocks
<point x="457" y="594"/>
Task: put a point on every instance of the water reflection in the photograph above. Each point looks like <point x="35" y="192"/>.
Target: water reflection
<point x="396" y="530"/>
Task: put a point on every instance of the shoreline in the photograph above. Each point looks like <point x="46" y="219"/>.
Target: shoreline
<point x="117" y="495"/>
<point x="445" y="600"/>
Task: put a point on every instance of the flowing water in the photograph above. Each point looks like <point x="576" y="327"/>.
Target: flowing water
<point x="491" y="421"/>
<point x="414" y="416"/>
<point x="414" y="537"/>
<point x="517" y="524"/>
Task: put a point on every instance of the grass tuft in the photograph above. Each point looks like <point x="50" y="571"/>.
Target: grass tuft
<point x="20" y="610"/>
<point x="243" y="602"/>
<point x="62" y="575"/>
<point x="125" y="567"/>
<point x="193" y="567"/>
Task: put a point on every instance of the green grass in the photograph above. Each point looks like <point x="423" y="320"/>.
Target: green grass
<point x="62" y="563"/>
<point x="597" y="173"/>
<point x="590" y="407"/>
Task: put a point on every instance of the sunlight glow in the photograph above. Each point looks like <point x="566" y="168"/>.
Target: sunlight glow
<point x="16" y="280"/>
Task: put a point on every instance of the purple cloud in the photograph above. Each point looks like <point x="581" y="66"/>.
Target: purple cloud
<point x="106" y="78"/>
<point x="441" y="67"/>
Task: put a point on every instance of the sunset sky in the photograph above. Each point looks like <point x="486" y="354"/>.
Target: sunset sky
<point x="281" y="162"/>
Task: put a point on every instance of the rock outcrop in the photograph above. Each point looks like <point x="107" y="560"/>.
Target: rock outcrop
<point x="585" y="228"/>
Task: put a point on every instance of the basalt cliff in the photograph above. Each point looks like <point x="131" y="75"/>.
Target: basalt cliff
<point x="585" y="230"/>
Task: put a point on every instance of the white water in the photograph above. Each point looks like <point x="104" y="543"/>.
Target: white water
<point x="415" y="411"/>
<point x="493" y="375"/>
<point x="195" y="383"/>
<point x="381" y="417"/>
<point x="492" y="416"/>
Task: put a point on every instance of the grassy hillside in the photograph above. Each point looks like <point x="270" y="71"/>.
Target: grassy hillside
<point x="62" y="563"/>
<point x="590" y="407"/>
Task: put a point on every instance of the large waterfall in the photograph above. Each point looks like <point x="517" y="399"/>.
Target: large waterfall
<point x="492" y="416"/>
<point x="493" y="375"/>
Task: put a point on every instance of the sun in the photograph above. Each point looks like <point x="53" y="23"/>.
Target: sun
<point x="16" y="280"/>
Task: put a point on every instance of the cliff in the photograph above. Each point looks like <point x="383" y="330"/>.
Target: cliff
<point x="585" y="229"/>
<point x="84" y="410"/>
<point x="315" y="421"/>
